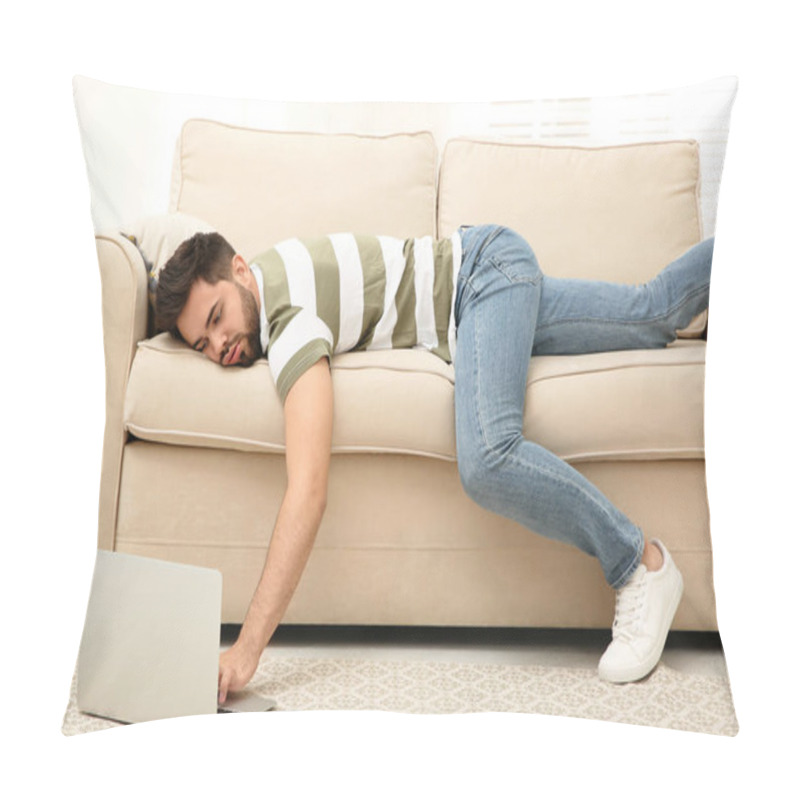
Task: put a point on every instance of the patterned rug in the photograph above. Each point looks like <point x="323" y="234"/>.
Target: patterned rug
<point x="665" y="699"/>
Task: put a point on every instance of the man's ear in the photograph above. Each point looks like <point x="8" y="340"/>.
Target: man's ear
<point x="243" y="275"/>
<point x="242" y="272"/>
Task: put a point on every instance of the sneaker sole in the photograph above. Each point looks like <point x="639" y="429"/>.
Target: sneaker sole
<point x="644" y="669"/>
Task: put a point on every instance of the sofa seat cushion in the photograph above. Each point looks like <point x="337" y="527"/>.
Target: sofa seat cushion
<point x="625" y="405"/>
<point x="639" y="404"/>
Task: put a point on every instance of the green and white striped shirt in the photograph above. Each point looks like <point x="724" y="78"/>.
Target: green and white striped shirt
<point x="344" y="292"/>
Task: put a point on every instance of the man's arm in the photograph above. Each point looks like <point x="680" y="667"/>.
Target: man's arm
<point x="308" y="413"/>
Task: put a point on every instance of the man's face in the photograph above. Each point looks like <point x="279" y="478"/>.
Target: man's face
<point x="221" y="320"/>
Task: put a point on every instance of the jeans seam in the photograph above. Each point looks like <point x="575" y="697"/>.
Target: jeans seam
<point x="561" y="479"/>
<point x="537" y="469"/>
<point x="626" y="575"/>
<point x="617" y="321"/>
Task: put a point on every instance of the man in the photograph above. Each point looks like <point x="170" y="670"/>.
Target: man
<point x="482" y="290"/>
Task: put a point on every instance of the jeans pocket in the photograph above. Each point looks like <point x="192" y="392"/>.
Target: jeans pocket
<point x="512" y="256"/>
<point x="488" y="240"/>
<point x="517" y="270"/>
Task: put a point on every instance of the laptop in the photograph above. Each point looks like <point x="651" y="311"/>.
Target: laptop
<point x="150" y="644"/>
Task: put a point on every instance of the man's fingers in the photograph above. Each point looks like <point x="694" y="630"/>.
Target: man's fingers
<point x="235" y="670"/>
<point x="224" y="682"/>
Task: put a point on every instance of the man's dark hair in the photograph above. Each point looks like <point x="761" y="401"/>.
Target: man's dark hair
<point x="204" y="255"/>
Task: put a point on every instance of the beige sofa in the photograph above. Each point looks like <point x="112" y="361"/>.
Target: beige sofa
<point x="193" y="467"/>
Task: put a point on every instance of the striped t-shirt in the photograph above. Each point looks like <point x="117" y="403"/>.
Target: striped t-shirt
<point x="344" y="292"/>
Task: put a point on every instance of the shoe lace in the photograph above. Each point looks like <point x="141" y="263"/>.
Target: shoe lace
<point x="629" y="607"/>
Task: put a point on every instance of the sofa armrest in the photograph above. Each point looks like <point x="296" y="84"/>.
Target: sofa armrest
<point x="123" y="278"/>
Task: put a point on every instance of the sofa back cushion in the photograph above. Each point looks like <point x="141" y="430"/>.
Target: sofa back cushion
<point x="609" y="213"/>
<point x="259" y="187"/>
<point x="617" y="213"/>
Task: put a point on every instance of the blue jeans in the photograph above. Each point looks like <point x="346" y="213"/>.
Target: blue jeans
<point x="506" y="311"/>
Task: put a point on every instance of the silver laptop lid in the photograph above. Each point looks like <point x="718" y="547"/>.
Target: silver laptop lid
<point x="150" y="645"/>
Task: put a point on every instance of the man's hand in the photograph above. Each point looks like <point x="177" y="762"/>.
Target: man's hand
<point x="236" y="666"/>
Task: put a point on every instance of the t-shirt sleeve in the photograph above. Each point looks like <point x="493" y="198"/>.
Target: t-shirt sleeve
<point x="297" y="340"/>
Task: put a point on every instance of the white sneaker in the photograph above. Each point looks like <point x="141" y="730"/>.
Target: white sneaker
<point x="645" y="608"/>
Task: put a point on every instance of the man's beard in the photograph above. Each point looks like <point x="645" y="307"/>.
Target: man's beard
<point x="252" y="334"/>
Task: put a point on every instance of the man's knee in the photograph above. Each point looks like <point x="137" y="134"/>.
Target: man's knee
<point x="470" y="473"/>
<point x="481" y="468"/>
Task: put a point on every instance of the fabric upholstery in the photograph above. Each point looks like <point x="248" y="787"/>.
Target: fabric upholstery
<point x="400" y="542"/>
<point x="260" y="187"/>
<point x="607" y="213"/>
<point x="193" y="466"/>
<point x="639" y="405"/>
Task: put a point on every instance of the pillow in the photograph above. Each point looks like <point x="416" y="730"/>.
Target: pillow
<point x="159" y="236"/>
<point x="615" y="213"/>
<point x="260" y="187"/>
<point x="604" y="213"/>
<point x="283" y="169"/>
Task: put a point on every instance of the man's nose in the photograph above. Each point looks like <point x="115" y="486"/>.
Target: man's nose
<point x="216" y="345"/>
